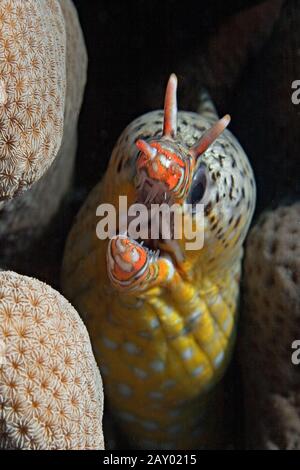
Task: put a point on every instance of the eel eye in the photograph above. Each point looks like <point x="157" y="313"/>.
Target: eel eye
<point x="198" y="186"/>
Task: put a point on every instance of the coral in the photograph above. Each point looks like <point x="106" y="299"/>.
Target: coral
<point x="270" y="324"/>
<point x="32" y="77"/>
<point x="23" y="221"/>
<point x="50" y="387"/>
<point x="76" y="66"/>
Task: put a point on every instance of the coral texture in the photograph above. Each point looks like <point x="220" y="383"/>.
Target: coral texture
<point x="24" y="218"/>
<point x="76" y="66"/>
<point x="270" y="324"/>
<point x="32" y="77"/>
<point x="50" y="387"/>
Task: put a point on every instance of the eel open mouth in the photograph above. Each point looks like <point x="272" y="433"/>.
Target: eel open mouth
<point x="151" y="191"/>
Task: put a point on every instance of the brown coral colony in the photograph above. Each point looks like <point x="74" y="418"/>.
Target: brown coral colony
<point x="32" y="91"/>
<point x="50" y="386"/>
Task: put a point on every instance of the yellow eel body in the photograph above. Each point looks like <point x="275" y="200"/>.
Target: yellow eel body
<point x="163" y="345"/>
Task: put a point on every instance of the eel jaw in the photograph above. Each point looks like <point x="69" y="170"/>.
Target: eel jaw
<point x="128" y="262"/>
<point x="151" y="191"/>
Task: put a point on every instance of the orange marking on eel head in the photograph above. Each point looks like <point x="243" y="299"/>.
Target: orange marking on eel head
<point x="161" y="161"/>
<point x="126" y="259"/>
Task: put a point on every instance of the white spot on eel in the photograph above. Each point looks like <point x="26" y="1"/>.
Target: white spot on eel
<point x="218" y="360"/>
<point x="187" y="353"/>
<point x="197" y="371"/>
<point x="140" y="373"/>
<point x="158" y="365"/>
<point x="110" y="344"/>
<point x="125" y="390"/>
<point x="156" y="395"/>
<point x="131" y="348"/>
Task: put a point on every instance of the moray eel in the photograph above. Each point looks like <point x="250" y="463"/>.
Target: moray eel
<point x="162" y="318"/>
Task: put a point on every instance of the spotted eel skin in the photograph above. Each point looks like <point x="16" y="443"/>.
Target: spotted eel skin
<point x="163" y="345"/>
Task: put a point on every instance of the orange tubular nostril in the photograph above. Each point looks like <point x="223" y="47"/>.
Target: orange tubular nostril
<point x="210" y="136"/>
<point x="145" y="148"/>
<point x="170" y="111"/>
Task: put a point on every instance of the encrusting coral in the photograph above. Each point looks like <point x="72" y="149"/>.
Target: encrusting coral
<point x="270" y="325"/>
<point x="50" y="387"/>
<point x="45" y="111"/>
